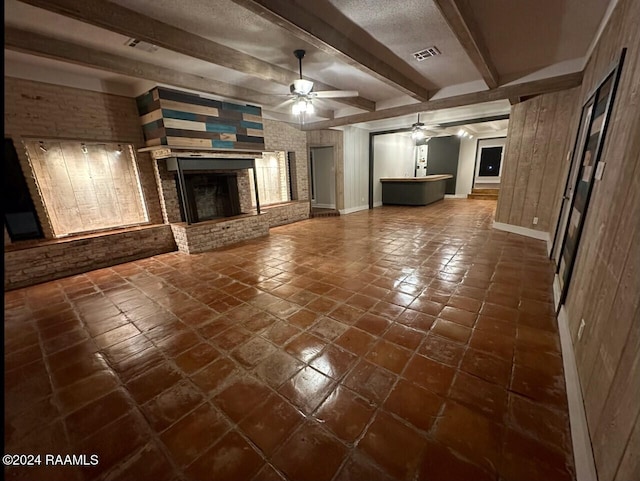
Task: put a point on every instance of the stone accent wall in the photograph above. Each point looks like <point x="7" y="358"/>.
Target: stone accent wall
<point x="60" y="258"/>
<point x="45" y="111"/>
<point x="204" y="236"/>
<point x="287" y="213"/>
<point x="283" y="136"/>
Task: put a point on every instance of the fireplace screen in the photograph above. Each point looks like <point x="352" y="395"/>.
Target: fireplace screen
<point x="211" y="196"/>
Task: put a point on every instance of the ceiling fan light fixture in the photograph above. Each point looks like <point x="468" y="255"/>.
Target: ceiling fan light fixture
<point x="302" y="105"/>
<point x="417" y="133"/>
<point x="301" y="86"/>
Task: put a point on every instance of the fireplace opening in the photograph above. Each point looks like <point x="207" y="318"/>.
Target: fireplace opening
<point x="210" y="196"/>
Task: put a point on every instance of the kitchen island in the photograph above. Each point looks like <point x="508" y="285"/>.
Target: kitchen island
<point x="413" y="190"/>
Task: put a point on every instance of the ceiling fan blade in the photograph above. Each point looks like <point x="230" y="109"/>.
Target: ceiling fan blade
<point x="334" y="94"/>
<point x="282" y="104"/>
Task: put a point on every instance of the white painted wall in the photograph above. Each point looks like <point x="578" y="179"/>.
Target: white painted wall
<point x="324" y="175"/>
<point x="467" y="160"/>
<point x="466" y="166"/>
<point x="394" y="156"/>
<point x="356" y="169"/>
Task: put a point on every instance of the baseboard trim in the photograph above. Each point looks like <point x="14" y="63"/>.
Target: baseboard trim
<point x="324" y="206"/>
<point x="516" y="229"/>
<point x="580" y="439"/>
<point x="351" y="210"/>
<point x="557" y="292"/>
<point x="455" y="196"/>
<point x="377" y="204"/>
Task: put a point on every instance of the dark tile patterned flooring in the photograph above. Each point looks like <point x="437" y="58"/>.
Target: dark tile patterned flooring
<point x="399" y="343"/>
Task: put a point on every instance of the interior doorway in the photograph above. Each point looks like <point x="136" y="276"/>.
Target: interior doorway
<point x="322" y="179"/>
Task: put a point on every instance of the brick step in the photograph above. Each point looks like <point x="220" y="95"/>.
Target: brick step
<point x="485" y="191"/>
<point x="483" y="196"/>
<point x="324" y="213"/>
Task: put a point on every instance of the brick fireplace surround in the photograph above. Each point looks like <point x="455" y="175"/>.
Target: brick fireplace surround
<point x="212" y="234"/>
<point x="39" y="110"/>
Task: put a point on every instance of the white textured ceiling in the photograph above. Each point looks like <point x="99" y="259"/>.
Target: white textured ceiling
<point x="523" y="37"/>
<point x="410" y="26"/>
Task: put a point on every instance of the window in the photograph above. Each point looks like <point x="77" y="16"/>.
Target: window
<point x="87" y="186"/>
<point x="488" y="166"/>
<point x="20" y="216"/>
<point x="273" y="179"/>
<point x="490" y="159"/>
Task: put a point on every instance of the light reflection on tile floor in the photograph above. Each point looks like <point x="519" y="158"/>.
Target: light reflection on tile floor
<point x="399" y="343"/>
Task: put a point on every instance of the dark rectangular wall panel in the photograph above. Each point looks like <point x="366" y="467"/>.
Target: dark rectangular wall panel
<point x="442" y="158"/>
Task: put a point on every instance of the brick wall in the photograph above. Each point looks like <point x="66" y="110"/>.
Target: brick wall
<point x="204" y="236"/>
<point x="61" y="258"/>
<point x="283" y="136"/>
<point x="45" y="111"/>
<point x="287" y="213"/>
<point x="168" y="192"/>
<point x="36" y="110"/>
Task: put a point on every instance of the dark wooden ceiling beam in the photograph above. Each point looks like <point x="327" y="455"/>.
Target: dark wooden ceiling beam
<point x="466" y="31"/>
<point x="524" y="89"/>
<point x="130" y="23"/>
<point x="333" y="41"/>
<point x="43" y="46"/>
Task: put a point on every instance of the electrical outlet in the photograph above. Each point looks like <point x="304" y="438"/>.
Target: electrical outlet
<point x="581" y="329"/>
<point x="535" y="221"/>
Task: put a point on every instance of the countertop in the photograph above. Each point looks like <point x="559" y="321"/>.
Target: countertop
<point x="427" y="178"/>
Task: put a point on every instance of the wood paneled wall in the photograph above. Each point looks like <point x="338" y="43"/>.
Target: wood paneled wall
<point x="332" y="138"/>
<point x="605" y="289"/>
<point x="535" y="156"/>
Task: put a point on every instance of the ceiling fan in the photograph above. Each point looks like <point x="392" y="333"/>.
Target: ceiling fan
<point x="419" y="132"/>
<point x="302" y="94"/>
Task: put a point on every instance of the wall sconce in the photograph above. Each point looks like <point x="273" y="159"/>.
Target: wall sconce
<point x="119" y="149"/>
<point x="42" y="147"/>
<point x="84" y="149"/>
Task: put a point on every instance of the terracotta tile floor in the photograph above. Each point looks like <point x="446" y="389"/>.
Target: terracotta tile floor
<point x="399" y="343"/>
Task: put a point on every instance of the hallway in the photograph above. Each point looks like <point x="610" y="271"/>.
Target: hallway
<point x="395" y="343"/>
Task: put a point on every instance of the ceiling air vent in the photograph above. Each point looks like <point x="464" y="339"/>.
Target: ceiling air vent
<point x="426" y="53"/>
<point x="140" y="45"/>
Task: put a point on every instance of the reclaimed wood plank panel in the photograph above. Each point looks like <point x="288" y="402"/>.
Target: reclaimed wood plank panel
<point x="539" y="157"/>
<point x="621" y="411"/>
<point x="523" y="165"/>
<point x="609" y="253"/>
<point x="203" y="122"/>
<point x="629" y="467"/>
<point x="552" y="187"/>
<point x="509" y="166"/>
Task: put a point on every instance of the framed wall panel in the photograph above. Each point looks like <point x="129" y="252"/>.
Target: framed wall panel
<point x="595" y="116"/>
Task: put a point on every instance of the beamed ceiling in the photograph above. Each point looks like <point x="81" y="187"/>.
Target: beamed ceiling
<point x="492" y="51"/>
